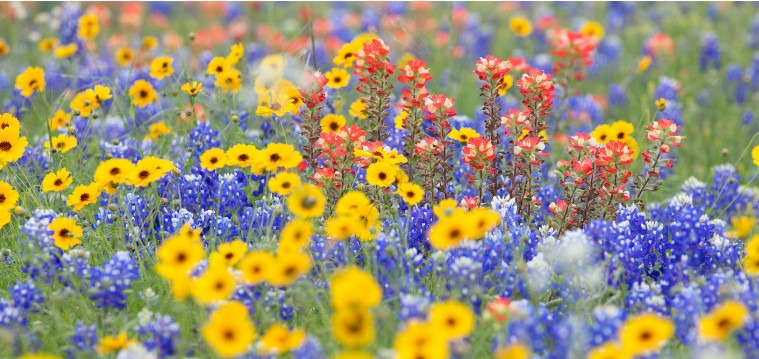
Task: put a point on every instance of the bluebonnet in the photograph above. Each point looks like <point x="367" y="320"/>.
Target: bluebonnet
<point x="202" y="138"/>
<point x="607" y="53"/>
<point x="667" y="89"/>
<point x="24" y="295"/>
<point x="253" y="52"/>
<point x="35" y="162"/>
<point x="748" y="118"/>
<point x="198" y="189"/>
<point x="694" y="249"/>
<point x="542" y="62"/>
<point x="534" y="325"/>
<point x="752" y="72"/>
<point x="266" y="215"/>
<point x="687" y="308"/>
<point x="40" y="245"/>
<point x="77" y="262"/>
<point x="733" y="73"/>
<point x="399" y="267"/>
<point x="160" y="335"/>
<point x="232" y="197"/>
<point x="111" y="282"/>
<point x="413" y="307"/>
<point x="137" y="218"/>
<point x="234" y="11"/>
<point x="370" y="20"/>
<point x="741" y="92"/>
<point x="710" y="52"/>
<point x="620" y="14"/>
<point x="617" y="95"/>
<point x="310" y="349"/>
<point x="124" y="148"/>
<point x="11" y="317"/>
<point x="724" y="195"/>
<point x="84" y="338"/>
<point x="606" y="321"/>
<point x="164" y="8"/>
<point x="645" y="297"/>
<point x="69" y="24"/>
<point x="584" y="113"/>
<point x="173" y="220"/>
<point x="753" y="37"/>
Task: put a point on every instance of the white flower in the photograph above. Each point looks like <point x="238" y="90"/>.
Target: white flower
<point x="681" y="200"/>
<point x="144" y="316"/>
<point x="136" y="351"/>
<point x="691" y="184"/>
<point x="539" y="274"/>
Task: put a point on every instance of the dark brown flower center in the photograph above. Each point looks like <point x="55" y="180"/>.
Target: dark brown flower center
<point x="646" y="335"/>
<point x="290" y="271"/>
<point x="115" y="171"/>
<point x="84" y="197"/>
<point x="308" y="202"/>
<point x="355" y="326"/>
<point x="229" y="335"/>
<point x="5" y="146"/>
<point x="143" y="174"/>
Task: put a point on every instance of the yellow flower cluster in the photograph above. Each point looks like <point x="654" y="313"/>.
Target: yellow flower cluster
<point x="447" y="321"/>
<point x="455" y="225"/>
<point x="228" y="78"/>
<point x="640" y="335"/>
<point x="276" y="95"/>
<point x="354" y="293"/>
<point x="87" y="101"/>
<point x="109" y="175"/>
<point x="620" y="131"/>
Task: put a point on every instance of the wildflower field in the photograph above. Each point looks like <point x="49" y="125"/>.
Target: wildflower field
<point x="379" y="180"/>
